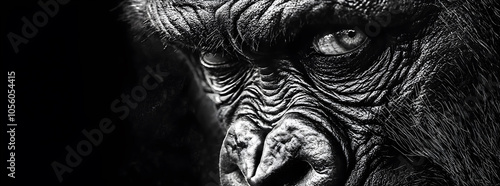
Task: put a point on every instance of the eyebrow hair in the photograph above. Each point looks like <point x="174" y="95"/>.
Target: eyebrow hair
<point x="231" y="24"/>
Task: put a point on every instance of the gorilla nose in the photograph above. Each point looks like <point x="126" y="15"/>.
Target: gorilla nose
<point x="294" y="152"/>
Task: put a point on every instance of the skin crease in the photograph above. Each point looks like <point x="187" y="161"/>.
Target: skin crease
<point x="416" y="104"/>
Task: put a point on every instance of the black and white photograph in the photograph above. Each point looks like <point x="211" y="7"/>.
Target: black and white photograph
<point x="251" y="92"/>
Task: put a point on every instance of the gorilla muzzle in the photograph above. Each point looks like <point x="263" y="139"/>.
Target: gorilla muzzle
<point x="297" y="151"/>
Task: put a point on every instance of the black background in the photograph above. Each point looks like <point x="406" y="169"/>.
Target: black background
<point x="66" y="78"/>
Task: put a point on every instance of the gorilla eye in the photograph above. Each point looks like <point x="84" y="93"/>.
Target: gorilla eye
<point x="213" y="60"/>
<point x="339" y="42"/>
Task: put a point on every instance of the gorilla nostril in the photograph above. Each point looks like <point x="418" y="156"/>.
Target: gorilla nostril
<point x="241" y="152"/>
<point x="242" y="145"/>
<point x="289" y="174"/>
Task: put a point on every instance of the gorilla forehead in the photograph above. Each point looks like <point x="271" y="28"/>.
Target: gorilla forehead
<point x="208" y="24"/>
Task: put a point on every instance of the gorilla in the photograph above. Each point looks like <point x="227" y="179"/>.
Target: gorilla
<point x="339" y="92"/>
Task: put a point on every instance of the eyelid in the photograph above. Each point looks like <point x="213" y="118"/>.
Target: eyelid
<point x="213" y="60"/>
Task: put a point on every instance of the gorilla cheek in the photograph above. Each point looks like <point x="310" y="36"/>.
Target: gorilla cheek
<point x="295" y="152"/>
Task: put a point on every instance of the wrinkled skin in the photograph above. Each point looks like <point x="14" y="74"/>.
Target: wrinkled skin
<point x="416" y="103"/>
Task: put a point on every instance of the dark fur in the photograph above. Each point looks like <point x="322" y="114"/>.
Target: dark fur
<point x="454" y="117"/>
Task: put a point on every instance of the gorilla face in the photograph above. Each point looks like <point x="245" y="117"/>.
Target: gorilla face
<point x="344" y="92"/>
